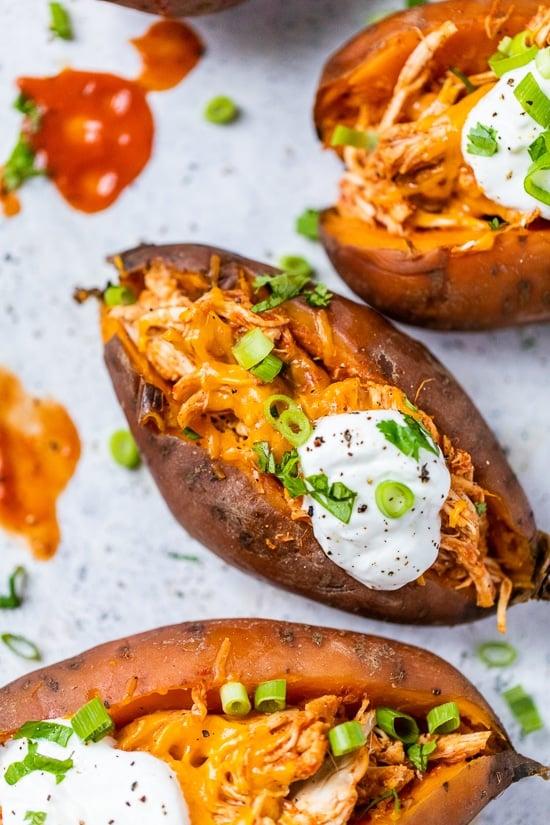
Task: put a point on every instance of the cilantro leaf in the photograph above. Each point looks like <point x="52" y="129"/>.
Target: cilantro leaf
<point x="337" y="498"/>
<point x="60" y="22"/>
<point x="410" y="438"/>
<point x="52" y="731"/>
<point x="35" y="761"/>
<point x="307" y="224"/>
<point x="282" y="287"/>
<point x="482" y="140"/>
<point x="19" y="167"/>
<point x="35" y="817"/>
<point x="321" y="296"/>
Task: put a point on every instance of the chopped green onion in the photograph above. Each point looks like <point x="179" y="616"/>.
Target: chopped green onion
<point x="393" y="498"/>
<point x="398" y="725"/>
<point x="383" y="796"/>
<point x="286" y="470"/>
<point x="411" y="4"/>
<point x="20" y="165"/>
<point x="482" y="141"/>
<point x="35" y="817"/>
<point x="22" y="647"/>
<point x="537" y="182"/>
<point x="346" y="738"/>
<point x="504" y="45"/>
<point x="35" y="761"/>
<point x="409" y="438"/>
<point x="124" y="449"/>
<point x="268" y="369"/>
<point x="540" y="146"/>
<point x="497" y="654"/>
<point x="282" y="287"/>
<point x="252" y="348"/>
<point x="337" y="498"/>
<point x="52" y="731"/>
<point x="307" y="224"/>
<point x="542" y="61"/>
<point x="464" y="78"/>
<point x="15" y="590"/>
<point x="344" y="136"/>
<point x="321" y="296"/>
<point x="419" y="754"/>
<point x="117" y="295"/>
<point x="92" y="722"/>
<point x="444" y="718"/>
<point x="235" y="701"/>
<point x="524" y="709"/>
<point x="519" y="43"/>
<point x="270" y="696"/>
<point x="496" y="223"/>
<point x="191" y="434"/>
<point x="295" y="265"/>
<point x="30" y="109"/>
<point x="481" y="507"/>
<point x="512" y="53"/>
<point x="291" y="422"/>
<point x="60" y="22"/>
<point x="533" y="100"/>
<point x="221" y="110"/>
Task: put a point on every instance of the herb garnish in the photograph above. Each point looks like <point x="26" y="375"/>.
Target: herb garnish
<point x="60" y="22"/>
<point x="20" y="166"/>
<point x="482" y="141"/>
<point x="386" y="795"/>
<point x="35" y="817"/>
<point x="35" y="761"/>
<point x="481" y="507"/>
<point x="307" y="224"/>
<point x="464" y="79"/>
<point x="191" y="434"/>
<point x="496" y="223"/>
<point x="52" y="731"/>
<point x="321" y="296"/>
<point x="287" y="285"/>
<point x="540" y="146"/>
<point x="420" y="753"/>
<point x="410" y="438"/>
<point x="15" y="587"/>
<point x="30" y="109"/>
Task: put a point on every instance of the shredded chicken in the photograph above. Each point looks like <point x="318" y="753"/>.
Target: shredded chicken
<point x="455" y="747"/>
<point x="540" y="27"/>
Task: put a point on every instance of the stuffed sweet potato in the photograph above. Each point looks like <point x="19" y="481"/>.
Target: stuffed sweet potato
<point x="396" y="502"/>
<point x="444" y="208"/>
<point x="178" y="8"/>
<point x="251" y="721"/>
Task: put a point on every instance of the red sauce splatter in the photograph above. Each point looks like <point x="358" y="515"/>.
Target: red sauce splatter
<point x="96" y="131"/>
<point x="10" y="204"/>
<point x="39" y="450"/>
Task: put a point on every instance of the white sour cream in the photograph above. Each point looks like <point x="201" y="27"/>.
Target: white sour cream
<point x="502" y="176"/>
<point x="383" y="553"/>
<point x="105" y="785"/>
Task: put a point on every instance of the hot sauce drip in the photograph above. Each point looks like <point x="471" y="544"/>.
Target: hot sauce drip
<point x="96" y="129"/>
<point x="39" y="450"/>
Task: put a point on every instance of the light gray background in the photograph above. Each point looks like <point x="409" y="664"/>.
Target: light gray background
<point x="239" y="187"/>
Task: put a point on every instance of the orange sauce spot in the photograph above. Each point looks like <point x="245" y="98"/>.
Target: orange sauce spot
<point x="39" y="450"/>
<point x="169" y="50"/>
<point x="96" y="134"/>
<point x="10" y="204"/>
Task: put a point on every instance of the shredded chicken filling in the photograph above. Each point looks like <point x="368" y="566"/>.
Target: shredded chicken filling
<point x="415" y="178"/>
<point x="187" y="342"/>
<point x="277" y="769"/>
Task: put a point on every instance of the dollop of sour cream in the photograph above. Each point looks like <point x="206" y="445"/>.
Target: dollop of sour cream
<point x="105" y="785"/>
<point x="381" y="552"/>
<point x="502" y="176"/>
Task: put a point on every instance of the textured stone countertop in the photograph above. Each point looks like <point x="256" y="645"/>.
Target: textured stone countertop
<point x="238" y="187"/>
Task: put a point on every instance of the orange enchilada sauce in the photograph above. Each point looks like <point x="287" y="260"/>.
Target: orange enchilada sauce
<point x="97" y="129"/>
<point x="39" y="451"/>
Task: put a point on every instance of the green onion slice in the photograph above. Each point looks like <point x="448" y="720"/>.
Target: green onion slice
<point x="124" y="449"/>
<point x="191" y="434"/>
<point x="295" y="265"/>
<point x="512" y="53"/>
<point x="345" y="136"/>
<point x="444" y="718"/>
<point x="16" y="584"/>
<point x="35" y="817"/>
<point x="221" y="110"/>
<point x="92" y="722"/>
<point x="234" y="698"/>
<point x="497" y="654"/>
<point x="117" y="295"/>
<point x="307" y="224"/>
<point x="524" y="709"/>
<point x="482" y="140"/>
<point x="398" y="725"/>
<point x="419" y="754"/>
<point x="22" y="647"/>
<point x="537" y="182"/>
<point x="34" y="761"/>
<point x="533" y="100"/>
<point x="291" y="422"/>
<point x="270" y="696"/>
<point x="542" y="61"/>
<point x="393" y="498"/>
<point x="346" y="738"/>
<point x="540" y="146"/>
<point x="464" y="79"/>
<point x="52" y="731"/>
<point x="252" y="348"/>
<point x="268" y="369"/>
<point x="60" y="22"/>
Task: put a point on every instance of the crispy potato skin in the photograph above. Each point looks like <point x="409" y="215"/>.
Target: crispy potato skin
<point x="158" y="669"/>
<point x="177" y="8"/>
<point x="222" y="508"/>
<point x="507" y="285"/>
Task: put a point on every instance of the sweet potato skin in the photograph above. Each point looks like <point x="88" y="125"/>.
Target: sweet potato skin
<point x="506" y="285"/>
<point x="178" y="8"/>
<point x="221" y="507"/>
<point x="159" y="668"/>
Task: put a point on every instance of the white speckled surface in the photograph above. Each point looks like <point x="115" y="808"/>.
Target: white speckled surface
<point x="238" y="187"/>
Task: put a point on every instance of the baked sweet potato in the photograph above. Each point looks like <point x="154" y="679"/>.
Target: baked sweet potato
<point x="178" y="8"/>
<point x="412" y="233"/>
<point x="198" y="426"/>
<point x="149" y="682"/>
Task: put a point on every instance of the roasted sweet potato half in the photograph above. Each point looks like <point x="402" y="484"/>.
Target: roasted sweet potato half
<point x="175" y="329"/>
<point x="414" y="232"/>
<point x="264" y="721"/>
<point x="178" y="8"/>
